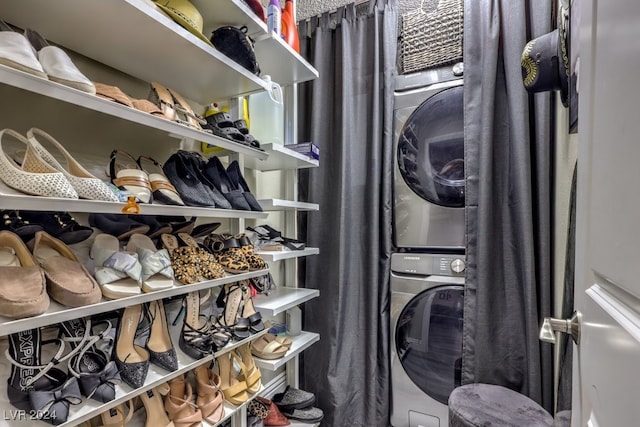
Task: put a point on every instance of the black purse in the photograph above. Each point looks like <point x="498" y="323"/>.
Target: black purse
<point x="237" y="45"/>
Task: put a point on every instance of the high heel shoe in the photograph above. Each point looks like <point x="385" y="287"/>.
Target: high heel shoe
<point x="210" y="396"/>
<point x="195" y="339"/>
<point x="116" y="416"/>
<point x="153" y="405"/>
<point x="218" y="176"/>
<point x="249" y="311"/>
<point x="131" y="359"/>
<point x="86" y="185"/>
<point x="231" y="299"/>
<point x="251" y="373"/>
<point x="234" y="389"/>
<point x="178" y="404"/>
<point x="161" y="351"/>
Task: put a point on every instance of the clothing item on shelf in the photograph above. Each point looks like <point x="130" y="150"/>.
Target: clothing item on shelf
<point x="157" y="273"/>
<point x="23" y="290"/>
<point x="209" y="397"/>
<point x="57" y="64"/>
<point x="33" y="175"/>
<point x="159" y="346"/>
<point x="68" y="281"/>
<point x="126" y="174"/>
<point x="61" y="225"/>
<point x="185" y="170"/>
<point x="120" y="226"/>
<point x="40" y="388"/>
<point x="131" y="359"/>
<point x="118" y="273"/>
<point x="86" y="185"/>
<point x="185" y="14"/>
<point x="97" y="374"/>
<point x="178" y="404"/>
<point x="163" y="191"/>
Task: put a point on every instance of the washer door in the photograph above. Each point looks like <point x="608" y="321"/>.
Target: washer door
<point x="431" y="149"/>
<point x="429" y="340"/>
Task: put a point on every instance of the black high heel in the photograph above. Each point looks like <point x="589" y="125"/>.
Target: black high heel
<point x="131" y="359"/>
<point x="231" y="299"/>
<point x="218" y="176"/>
<point x="195" y="339"/>
<point x="161" y="351"/>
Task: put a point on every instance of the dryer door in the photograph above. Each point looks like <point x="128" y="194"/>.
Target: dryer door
<point x="428" y="337"/>
<point x="430" y="151"/>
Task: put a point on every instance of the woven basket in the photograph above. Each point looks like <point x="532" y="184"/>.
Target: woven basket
<point x="433" y="38"/>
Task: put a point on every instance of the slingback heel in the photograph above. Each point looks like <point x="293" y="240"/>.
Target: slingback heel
<point x="131" y="359"/>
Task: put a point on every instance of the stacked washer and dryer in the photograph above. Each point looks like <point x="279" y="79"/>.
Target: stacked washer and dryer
<point x="427" y="272"/>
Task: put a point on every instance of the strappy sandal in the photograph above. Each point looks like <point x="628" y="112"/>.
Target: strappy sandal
<point x="160" y="96"/>
<point x="185" y="113"/>
<point x="195" y="339"/>
<point x="163" y="191"/>
<point x="40" y="389"/>
<point x="96" y="373"/>
<point x="210" y="396"/>
<point x="234" y="390"/>
<point x="153" y="405"/>
<point x="231" y="299"/>
<point x="178" y="404"/>
<point x="129" y="176"/>
<point x="209" y="267"/>
<point x="185" y="260"/>
<point x="157" y="273"/>
<point x="228" y="252"/>
<point x="118" y="273"/>
<point x="249" y="311"/>
<point x="251" y="374"/>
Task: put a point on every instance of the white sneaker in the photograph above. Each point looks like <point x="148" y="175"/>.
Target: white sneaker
<point x="16" y="52"/>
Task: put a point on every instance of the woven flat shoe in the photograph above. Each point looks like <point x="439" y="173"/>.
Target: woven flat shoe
<point x="33" y="176"/>
<point x="86" y="185"/>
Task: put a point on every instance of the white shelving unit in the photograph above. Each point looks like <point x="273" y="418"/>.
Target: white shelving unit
<point x="136" y="38"/>
<point x="282" y="255"/>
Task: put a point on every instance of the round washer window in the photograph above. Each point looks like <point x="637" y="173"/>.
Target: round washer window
<point x="431" y="149"/>
<point x="429" y="340"/>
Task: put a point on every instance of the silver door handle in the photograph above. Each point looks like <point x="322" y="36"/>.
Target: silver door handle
<point x="568" y="326"/>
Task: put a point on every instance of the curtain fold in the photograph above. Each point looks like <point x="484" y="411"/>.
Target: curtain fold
<point x="508" y="140"/>
<point x="348" y="113"/>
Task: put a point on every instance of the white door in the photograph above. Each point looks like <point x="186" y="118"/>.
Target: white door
<point x="606" y="390"/>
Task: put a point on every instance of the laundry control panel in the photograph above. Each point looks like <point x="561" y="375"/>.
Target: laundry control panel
<point x="428" y="264"/>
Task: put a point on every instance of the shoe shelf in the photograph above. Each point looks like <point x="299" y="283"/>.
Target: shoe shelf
<point x="282" y="255"/>
<point x="283" y="298"/>
<point x="280" y="157"/>
<point x="300" y="343"/>
<point x="137" y="38"/>
<point x="65" y="94"/>
<point x="58" y="313"/>
<point x="276" y="205"/>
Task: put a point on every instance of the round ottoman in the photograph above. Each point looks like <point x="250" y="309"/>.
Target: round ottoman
<point x="475" y="405"/>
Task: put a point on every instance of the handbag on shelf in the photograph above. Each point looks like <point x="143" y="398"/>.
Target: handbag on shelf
<point x="237" y="45"/>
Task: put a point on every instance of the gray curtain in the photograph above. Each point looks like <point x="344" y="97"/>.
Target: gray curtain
<point x="508" y="140"/>
<point x="348" y="113"/>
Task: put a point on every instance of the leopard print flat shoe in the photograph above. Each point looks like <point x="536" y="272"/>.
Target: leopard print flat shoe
<point x="209" y="267"/>
<point x="228" y="252"/>
<point x="254" y="260"/>
<point x="185" y="260"/>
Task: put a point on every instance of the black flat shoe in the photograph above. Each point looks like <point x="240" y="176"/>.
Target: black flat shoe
<point x="218" y="176"/>
<point x="117" y="225"/>
<point x="12" y="221"/>
<point x="60" y="225"/>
